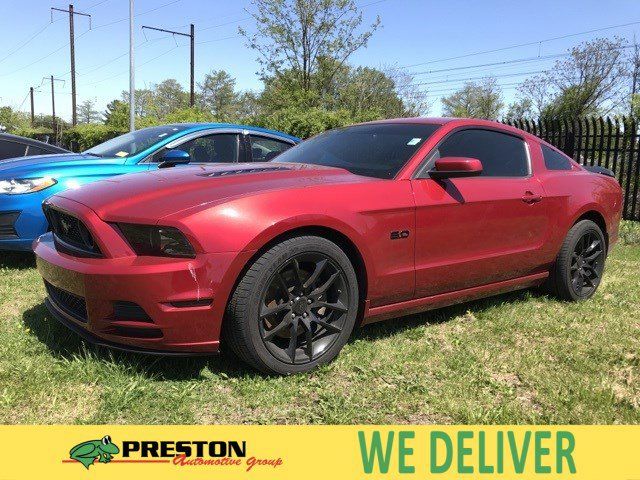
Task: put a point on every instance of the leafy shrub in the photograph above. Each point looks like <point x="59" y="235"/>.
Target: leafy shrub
<point x="629" y="232"/>
<point x="83" y="137"/>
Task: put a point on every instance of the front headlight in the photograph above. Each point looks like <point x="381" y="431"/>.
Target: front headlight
<point x="156" y="241"/>
<point x="25" y="185"/>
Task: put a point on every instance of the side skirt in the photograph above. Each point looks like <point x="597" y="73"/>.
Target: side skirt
<point x="409" y="307"/>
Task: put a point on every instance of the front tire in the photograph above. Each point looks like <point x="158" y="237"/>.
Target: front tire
<point x="578" y="269"/>
<point x="294" y="308"/>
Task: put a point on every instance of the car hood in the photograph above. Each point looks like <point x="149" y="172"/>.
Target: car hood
<point x="147" y="197"/>
<point x="31" y="166"/>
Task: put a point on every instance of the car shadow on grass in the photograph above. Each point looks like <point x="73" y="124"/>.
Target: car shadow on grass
<point x="65" y="344"/>
<point x="17" y="260"/>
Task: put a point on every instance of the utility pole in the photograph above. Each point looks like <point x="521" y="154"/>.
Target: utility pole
<point x="192" y="98"/>
<point x="71" y="12"/>
<point x="635" y="72"/>
<point x="53" y="101"/>
<point x="191" y="35"/>
<point x="132" y="74"/>
<point x="32" y="112"/>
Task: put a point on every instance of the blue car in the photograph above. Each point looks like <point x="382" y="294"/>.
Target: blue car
<point x="27" y="181"/>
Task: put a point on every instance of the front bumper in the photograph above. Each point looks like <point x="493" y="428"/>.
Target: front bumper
<point x="171" y="306"/>
<point x="21" y="220"/>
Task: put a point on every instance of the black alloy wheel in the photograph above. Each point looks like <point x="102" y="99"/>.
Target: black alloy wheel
<point x="294" y="308"/>
<point x="587" y="263"/>
<point x="577" y="271"/>
<point x="303" y="308"/>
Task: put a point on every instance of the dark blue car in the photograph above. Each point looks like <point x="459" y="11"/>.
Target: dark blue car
<point x="27" y="181"/>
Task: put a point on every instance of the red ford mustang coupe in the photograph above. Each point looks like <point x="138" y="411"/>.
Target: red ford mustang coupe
<point x="280" y="261"/>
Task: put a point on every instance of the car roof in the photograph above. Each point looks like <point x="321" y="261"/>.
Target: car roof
<point x="455" y="122"/>
<point x="203" y="126"/>
<point x="32" y="142"/>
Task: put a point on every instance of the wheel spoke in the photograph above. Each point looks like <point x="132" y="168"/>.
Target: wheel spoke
<point x="592" y="270"/>
<point x="277" y="329"/>
<point x="338" y="306"/>
<point x="309" y="338"/>
<point x="577" y="282"/>
<point x="316" y="273"/>
<point x="293" y="341"/>
<point x="296" y="274"/>
<point x="266" y="311"/>
<point x="593" y="256"/>
<point x="594" y="245"/>
<point x="325" y="286"/>
<point x="328" y="326"/>
<point x="283" y="286"/>
<point x="588" y="279"/>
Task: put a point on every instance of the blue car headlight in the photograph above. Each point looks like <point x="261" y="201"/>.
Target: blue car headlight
<point x="16" y="186"/>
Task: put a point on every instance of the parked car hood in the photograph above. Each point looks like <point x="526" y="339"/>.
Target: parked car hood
<point x="38" y="165"/>
<point x="149" y="196"/>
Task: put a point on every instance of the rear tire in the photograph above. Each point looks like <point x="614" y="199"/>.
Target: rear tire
<point x="578" y="268"/>
<point x="294" y="308"/>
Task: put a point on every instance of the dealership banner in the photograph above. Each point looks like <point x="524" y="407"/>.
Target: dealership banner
<point x="323" y="452"/>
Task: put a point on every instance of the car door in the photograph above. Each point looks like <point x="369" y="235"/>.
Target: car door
<point x="224" y="147"/>
<point x="473" y="231"/>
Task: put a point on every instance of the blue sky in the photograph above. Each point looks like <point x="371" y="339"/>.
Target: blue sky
<point x="413" y="32"/>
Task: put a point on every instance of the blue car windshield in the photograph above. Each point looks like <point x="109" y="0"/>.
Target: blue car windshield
<point x="374" y="150"/>
<point x="135" y="142"/>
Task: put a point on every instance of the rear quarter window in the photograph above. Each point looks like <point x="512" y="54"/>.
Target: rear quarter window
<point x="555" y="160"/>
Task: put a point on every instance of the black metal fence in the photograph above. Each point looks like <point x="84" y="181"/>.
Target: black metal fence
<point x="612" y="143"/>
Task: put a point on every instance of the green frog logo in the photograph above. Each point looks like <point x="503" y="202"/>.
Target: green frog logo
<point x="87" y="452"/>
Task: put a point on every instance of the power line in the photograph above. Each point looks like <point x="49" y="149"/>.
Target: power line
<point x="538" y="42"/>
<point x="26" y="42"/>
<point x="137" y="14"/>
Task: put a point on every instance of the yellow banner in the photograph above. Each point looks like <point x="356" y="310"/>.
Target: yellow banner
<point x="322" y="452"/>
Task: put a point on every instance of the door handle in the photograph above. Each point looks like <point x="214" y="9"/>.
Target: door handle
<point x="530" y="197"/>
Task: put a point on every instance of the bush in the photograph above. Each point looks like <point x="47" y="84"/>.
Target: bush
<point x="305" y="123"/>
<point x="83" y="137"/>
<point x="629" y="232"/>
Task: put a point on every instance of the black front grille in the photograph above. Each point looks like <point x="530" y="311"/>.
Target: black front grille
<point x="69" y="303"/>
<point x="7" y="224"/>
<point x="71" y="235"/>
<point x="130" y="311"/>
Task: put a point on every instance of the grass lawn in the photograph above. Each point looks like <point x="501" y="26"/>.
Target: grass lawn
<point x="516" y="358"/>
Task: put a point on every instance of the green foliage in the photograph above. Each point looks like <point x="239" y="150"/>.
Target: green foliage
<point x="12" y="120"/>
<point x="635" y="106"/>
<point x="629" y="232"/>
<point x="83" y="137"/>
<point x="476" y="100"/>
<point x="305" y="123"/>
<point x="297" y="36"/>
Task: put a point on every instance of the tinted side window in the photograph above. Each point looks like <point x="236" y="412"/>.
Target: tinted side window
<point x="265" y="149"/>
<point x="36" y="151"/>
<point x="502" y="155"/>
<point x="554" y="160"/>
<point x="11" y="149"/>
<point x="216" y="148"/>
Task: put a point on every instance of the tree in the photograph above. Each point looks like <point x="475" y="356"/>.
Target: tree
<point x="476" y="100"/>
<point x="167" y="96"/>
<point x="217" y="95"/>
<point x="294" y="36"/>
<point x="117" y="114"/>
<point x="587" y="82"/>
<point x="12" y="120"/>
<point x="522" y="108"/>
<point x="87" y="112"/>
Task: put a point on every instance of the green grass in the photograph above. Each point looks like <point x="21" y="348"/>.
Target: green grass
<point x="516" y="358"/>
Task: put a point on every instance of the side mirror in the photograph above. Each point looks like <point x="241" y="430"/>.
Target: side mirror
<point x="452" y="167"/>
<point x="171" y="158"/>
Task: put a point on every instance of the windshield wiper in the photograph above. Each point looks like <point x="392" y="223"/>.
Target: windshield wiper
<point x="92" y="154"/>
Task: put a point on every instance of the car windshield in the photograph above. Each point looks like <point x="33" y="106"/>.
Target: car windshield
<point x="373" y="150"/>
<point x="135" y="142"/>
